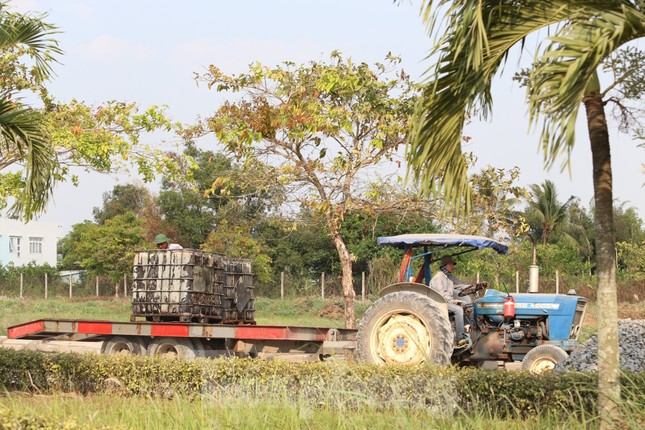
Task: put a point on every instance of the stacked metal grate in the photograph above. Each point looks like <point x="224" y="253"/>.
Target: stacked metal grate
<point x="189" y="285"/>
<point x="183" y="285"/>
<point x="239" y="291"/>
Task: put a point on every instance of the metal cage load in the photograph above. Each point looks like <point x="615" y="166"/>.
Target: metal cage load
<point x="189" y="285"/>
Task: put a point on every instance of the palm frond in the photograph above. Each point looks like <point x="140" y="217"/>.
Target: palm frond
<point x="21" y="128"/>
<point x="21" y="131"/>
<point x="563" y="75"/>
<point x="33" y="33"/>
<point x="475" y="40"/>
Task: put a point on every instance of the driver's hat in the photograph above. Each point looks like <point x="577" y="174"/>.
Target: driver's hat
<point x="447" y="259"/>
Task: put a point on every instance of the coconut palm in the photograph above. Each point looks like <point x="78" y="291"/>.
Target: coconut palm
<point x="545" y="214"/>
<point x="22" y="134"/>
<point x="472" y="44"/>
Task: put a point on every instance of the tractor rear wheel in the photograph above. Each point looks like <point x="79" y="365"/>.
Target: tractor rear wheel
<point x="405" y="328"/>
<point x="543" y="358"/>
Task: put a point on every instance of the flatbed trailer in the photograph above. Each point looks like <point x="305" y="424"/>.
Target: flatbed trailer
<point x="187" y="340"/>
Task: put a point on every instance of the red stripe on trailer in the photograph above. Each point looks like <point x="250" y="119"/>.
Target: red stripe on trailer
<point x="260" y="332"/>
<point x="53" y="328"/>
<point x="90" y="327"/>
<point x="25" y="329"/>
<point x="169" y="330"/>
<point x="280" y="333"/>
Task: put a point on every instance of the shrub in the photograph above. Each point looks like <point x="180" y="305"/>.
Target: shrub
<point x="338" y="384"/>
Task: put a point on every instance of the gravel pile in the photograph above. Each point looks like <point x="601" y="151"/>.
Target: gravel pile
<point x="631" y="341"/>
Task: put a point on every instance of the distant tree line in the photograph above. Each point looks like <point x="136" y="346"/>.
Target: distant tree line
<point x="250" y="225"/>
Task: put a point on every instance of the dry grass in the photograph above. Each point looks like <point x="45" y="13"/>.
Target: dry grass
<point x="628" y="291"/>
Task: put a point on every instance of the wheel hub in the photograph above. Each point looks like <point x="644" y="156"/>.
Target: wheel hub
<point x="403" y="339"/>
<point x="167" y="351"/>
<point x="400" y="343"/>
<point x="543" y="365"/>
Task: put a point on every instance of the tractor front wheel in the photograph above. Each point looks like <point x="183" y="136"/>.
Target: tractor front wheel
<point x="543" y="358"/>
<point x="405" y="328"/>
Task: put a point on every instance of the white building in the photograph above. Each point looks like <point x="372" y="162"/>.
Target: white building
<point x="22" y="243"/>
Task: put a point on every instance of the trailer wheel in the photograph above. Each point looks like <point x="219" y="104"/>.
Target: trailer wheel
<point x="123" y="345"/>
<point x="404" y="328"/>
<point x="200" y="348"/>
<point x="172" y="348"/>
<point x="543" y="358"/>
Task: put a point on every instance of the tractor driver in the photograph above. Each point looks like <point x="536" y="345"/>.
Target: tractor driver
<point x="445" y="283"/>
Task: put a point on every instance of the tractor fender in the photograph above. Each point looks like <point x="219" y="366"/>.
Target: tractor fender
<point x="416" y="288"/>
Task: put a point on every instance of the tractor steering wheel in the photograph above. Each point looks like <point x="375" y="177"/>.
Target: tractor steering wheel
<point x="472" y="289"/>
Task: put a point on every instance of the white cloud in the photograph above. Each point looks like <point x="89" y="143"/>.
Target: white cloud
<point x="83" y="10"/>
<point x="23" y="6"/>
<point x="234" y="56"/>
<point x="108" y="48"/>
<point x="80" y="9"/>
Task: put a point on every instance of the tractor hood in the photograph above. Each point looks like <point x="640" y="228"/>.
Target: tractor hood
<point x="563" y="312"/>
<point x="404" y="241"/>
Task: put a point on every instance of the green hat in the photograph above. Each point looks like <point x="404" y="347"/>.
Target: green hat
<point x="446" y="259"/>
<point x="161" y="238"/>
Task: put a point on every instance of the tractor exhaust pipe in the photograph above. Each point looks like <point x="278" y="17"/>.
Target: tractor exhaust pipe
<point x="534" y="277"/>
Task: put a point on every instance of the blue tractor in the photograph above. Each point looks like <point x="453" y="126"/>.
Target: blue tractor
<point x="410" y="322"/>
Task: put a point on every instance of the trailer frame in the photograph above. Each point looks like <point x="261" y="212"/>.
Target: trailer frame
<point x="194" y="339"/>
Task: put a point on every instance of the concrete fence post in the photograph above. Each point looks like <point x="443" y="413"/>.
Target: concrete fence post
<point x="70" y="284"/>
<point x="362" y="285"/>
<point x="322" y="285"/>
<point x="282" y="285"/>
<point x="46" y="285"/>
<point x="21" y="285"/>
<point x="97" y="286"/>
<point x="557" y="282"/>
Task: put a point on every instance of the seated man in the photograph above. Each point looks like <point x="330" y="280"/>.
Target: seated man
<point x="445" y="283"/>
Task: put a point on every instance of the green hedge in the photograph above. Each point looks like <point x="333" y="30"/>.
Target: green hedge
<point x="338" y="384"/>
<point x="19" y="421"/>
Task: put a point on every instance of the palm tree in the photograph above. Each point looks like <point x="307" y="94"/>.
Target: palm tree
<point x="22" y="133"/>
<point x="582" y="231"/>
<point x="545" y="214"/>
<point x="471" y="46"/>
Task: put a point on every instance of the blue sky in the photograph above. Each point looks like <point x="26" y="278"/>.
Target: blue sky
<point x="147" y="51"/>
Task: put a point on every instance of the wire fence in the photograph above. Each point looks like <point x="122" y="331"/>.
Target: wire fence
<point x="366" y="285"/>
<point x="74" y="284"/>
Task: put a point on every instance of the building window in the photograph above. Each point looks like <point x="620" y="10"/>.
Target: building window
<point x="35" y="245"/>
<point x="14" y="245"/>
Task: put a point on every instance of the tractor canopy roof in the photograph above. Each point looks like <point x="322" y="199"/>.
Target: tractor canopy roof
<point x="406" y="241"/>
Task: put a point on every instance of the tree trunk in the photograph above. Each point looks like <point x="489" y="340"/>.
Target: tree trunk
<point x="608" y="353"/>
<point x="347" y="281"/>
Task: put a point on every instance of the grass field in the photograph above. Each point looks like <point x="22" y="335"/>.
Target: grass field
<point x="104" y="411"/>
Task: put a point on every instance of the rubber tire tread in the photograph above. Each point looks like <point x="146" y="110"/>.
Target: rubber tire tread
<point x="435" y="320"/>
<point x="134" y="345"/>
<point x="551" y="351"/>
<point x="185" y="347"/>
